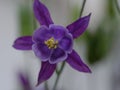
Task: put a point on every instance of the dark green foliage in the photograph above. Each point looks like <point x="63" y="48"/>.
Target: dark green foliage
<point x="111" y="8"/>
<point x="97" y="46"/>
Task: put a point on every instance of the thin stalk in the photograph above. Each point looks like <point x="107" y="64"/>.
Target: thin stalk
<point x="58" y="75"/>
<point x="46" y="85"/>
<point x="56" y="82"/>
<point x="57" y="71"/>
<point x="117" y="5"/>
<point x="83" y="6"/>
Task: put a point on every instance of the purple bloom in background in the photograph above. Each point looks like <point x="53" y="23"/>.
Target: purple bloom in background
<point x="25" y="82"/>
<point x="53" y="43"/>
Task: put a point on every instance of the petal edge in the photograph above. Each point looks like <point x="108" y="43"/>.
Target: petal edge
<point x="42" y="13"/>
<point x="46" y="72"/>
<point x="41" y="51"/>
<point x="58" y="55"/>
<point x="75" y="62"/>
<point x="23" y="43"/>
<point x="79" y="26"/>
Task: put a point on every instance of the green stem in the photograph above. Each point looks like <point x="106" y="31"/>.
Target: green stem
<point x="83" y="6"/>
<point x="58" y="75"/>
<point x="57" y="71"/>
<point x="117" y="5"/>
<point x="46" y="86"/>
<point x="56" y="82"/>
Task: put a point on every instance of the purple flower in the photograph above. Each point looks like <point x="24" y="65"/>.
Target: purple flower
<point x="25" y="82"/>
<point x="53" y="43"/>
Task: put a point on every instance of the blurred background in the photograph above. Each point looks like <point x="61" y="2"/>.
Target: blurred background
<point x="99" y="46"/>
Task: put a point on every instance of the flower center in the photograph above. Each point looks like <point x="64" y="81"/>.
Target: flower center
<point x="51" y="43"/>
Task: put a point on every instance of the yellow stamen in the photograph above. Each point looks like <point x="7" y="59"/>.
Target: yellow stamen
<point x="51" y="43"/>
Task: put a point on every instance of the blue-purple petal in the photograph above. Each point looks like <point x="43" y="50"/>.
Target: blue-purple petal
<point x="57" y="55"/>
<point x="66" y="43"/>
<point x="42" y="34"/>
<point x="23" y="43"/>
<point x="75" y="62"/>
<point x="41" y="51"/>
<point x="79" y="26"/>
<point x="58" y="31"/>
<point x="46" y="72"/>
<point x="42" y="13"/>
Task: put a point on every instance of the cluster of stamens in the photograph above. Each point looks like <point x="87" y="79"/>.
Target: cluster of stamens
<point x="51" y="43"/>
